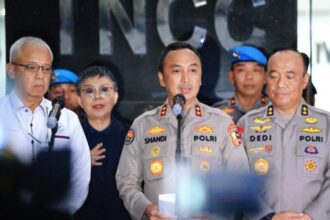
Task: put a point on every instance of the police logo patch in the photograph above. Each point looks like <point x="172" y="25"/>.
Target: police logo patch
<point x="205" y="149"/>
<point x="261" y="120"/>
<point x="204" y="165"/>
<point x="261" y="166"/>
<point x="233" y="132"/>
<point x="311" y="130"/>
<point x="204" y="129"/>
<point x="155" y="151"/>
<point x="311" y="150"/>
<point x="311" y="120"/>
<point x="156" y="130"/>
<point x="156" y="167"/>
<point x="310" y="166"/>
<point x="261" y="128"/>
<point x="130" y="136"/>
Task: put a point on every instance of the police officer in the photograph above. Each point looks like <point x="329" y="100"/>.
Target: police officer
<point x="287" y="143"/>
<point x="247" y="74"/>
<point x="209" y="137"/>
<point x="63" y="84"/>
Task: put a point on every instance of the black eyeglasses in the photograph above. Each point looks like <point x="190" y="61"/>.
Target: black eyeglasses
<point x="35" y="68"/>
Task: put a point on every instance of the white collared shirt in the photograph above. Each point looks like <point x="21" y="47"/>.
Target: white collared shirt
<point x="28" y="134"/>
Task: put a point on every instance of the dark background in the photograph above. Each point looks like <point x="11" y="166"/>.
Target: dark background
<point x="137" y="73"/>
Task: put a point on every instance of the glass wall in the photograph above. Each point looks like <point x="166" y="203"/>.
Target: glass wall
<point x="2" y="49"/>
<point x="314" y="39"/>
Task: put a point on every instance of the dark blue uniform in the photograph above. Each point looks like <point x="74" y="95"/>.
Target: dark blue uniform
<point x="103" y="201"/>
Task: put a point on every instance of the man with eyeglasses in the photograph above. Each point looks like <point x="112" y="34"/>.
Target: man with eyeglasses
<point x="24" y="114"/>
<point x="98" y="94"/>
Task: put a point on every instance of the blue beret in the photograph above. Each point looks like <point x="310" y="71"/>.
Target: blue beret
<point x="246" y="53"/>
<point x="63" y="76"/>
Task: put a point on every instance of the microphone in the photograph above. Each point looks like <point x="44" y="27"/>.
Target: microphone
<point x="54" y="115"/>
<point x="178" y="102"/>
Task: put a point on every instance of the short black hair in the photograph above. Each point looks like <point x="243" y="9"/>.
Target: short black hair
<point x="172" y="47"/>
<point x="93" y="71"/>
<point x="303" y="56"/>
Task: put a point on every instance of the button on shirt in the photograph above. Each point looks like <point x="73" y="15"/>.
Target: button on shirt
<point x="292" y="157"/>
<point x="28" y="134"/>
<point x="209" y="141"/>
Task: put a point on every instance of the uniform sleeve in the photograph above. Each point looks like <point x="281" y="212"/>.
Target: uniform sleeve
<point x="129" y="176"/>
<point x="80" y="168"/>
<point x="234" y="155"/>
<point x="320" y="208"/>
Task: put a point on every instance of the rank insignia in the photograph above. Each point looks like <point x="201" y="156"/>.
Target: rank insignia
<point x="235" y="54"/>
<point x="232" y="101"/>
<point x="156" y="167"/>
<point x="261" y="128"/>
<point x="156" y="130"/>
<point x="198" y="111"/>
<point x="228" y="110"/>
<point x="311" y="150"/>
<point x="270" y="110"/>
<point x="130" y="136"/>
<point x="261" y="120"/>
<point x="155" y="151"/>
<point x="163" y="110"/>
<point x="311" y="130"/>
<point x="261" y="166"/>
<point x="233" y="132"/>
<point x="311" y="120"/>
<point x="204" y="165"/>
<point x="204" y="129"/>
<point x="205" y="149"/>
<point x="310" y="166"/>
<point x="304" y="110"/>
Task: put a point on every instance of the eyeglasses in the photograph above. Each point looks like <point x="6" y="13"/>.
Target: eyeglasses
<point x="102" y="90"/>
<point x="35" y="68"/>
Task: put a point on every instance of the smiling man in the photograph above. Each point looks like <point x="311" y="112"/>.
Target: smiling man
<point x="287" y="143"/>
<point x="248" y="76"/>
<point x="209" y="138"/>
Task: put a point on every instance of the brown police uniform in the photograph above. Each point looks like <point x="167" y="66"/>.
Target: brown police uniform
<point x="292" y="158"/>
<point x="234" y="108"/>
<point x="208" y="136"/>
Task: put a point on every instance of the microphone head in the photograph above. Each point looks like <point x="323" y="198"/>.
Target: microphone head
<point x="51" y="122"/>
<point x="179" y="98"/>
<point x="58" y="100"/>
<point x="177" y="109"/>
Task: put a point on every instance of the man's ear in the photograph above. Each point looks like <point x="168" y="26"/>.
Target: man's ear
<point x="10" y="71"/>
<point x="161" y="79"/>
<point x="231" y="77"/>
<point x="306" y="79"/>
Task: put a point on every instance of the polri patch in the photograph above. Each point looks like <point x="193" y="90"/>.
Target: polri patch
<point x="130" y="136"/>
<point x="311" y="150"/>
<point x="233" y="133"/>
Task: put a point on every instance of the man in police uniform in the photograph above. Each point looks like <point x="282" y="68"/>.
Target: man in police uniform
<point x="209" y="137"/>
<point x="247" y="74"/>
<point x="24" y="114"/>
<point x="63" y="83"/>
<point x="287" y="143"/>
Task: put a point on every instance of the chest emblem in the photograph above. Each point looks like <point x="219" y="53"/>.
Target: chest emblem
<point x="311" y="150"/>
<point x="156" y="167"/>
<point x="261" y="120"/>
<point x="155" y="151"/>
<point x="261" y="128"/>
<point x="311" y="120"/>
<point x="261" y="166"/>
<point x="310" y="166"/>
<point x="311" y="130"/>
<point x="156" y="130"/>
<point x="204" y="129"/>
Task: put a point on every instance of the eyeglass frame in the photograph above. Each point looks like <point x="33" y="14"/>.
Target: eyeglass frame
<point x="93" y="95"/>
<point x="27" y="67"/>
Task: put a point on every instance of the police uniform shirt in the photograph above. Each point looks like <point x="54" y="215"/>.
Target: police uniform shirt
<point x="234" y="108"/>
<point x="209" y="138"/>
<point x="28" y="134"/>
<point x="293" y="159"/>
